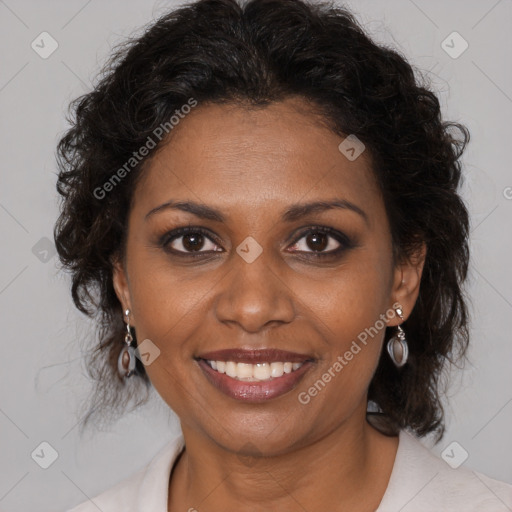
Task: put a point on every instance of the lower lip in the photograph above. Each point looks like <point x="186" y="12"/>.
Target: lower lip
<point x="254" y="391"/>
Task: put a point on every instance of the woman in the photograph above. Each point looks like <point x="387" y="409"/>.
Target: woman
<point x="261" y="204"/>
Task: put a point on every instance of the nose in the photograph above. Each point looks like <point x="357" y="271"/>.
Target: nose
<point x="254" y="296"/>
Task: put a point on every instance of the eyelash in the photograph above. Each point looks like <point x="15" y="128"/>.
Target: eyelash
<point x="344" y="241"/>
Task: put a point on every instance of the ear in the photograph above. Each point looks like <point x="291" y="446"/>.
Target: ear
<point x="120" y="281"/>
<point x="406" y="283"/>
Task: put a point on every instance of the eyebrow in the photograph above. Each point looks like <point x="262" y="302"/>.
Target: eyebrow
<point x="290" y="214"/>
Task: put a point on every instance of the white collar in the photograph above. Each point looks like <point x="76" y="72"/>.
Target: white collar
<point x="154" y="488"/>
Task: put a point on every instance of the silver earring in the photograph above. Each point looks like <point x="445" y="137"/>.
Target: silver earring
<point x="127" y="359"/>
<point x="397" y="346"/>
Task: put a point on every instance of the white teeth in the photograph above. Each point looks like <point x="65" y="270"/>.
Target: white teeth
<point x="254" y="372"/>
<point x="276" y="369"/>
<point x="243" y="371"/>
<point x="231" y="369"/>
<point x="261" y="371"/>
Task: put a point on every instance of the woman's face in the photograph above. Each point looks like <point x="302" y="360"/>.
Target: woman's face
<point x="252" y="277"/>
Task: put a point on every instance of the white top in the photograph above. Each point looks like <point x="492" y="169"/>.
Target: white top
<point x="420" y="482"/>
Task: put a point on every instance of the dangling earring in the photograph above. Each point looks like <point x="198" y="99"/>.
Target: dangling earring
<point x="127" y="359"/>
<point x="397" y="346"/>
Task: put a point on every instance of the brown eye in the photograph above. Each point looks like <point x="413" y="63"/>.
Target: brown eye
<point x="190" y="241"/>
<point x="317" y="241"/>
<point x="193" y="242"/>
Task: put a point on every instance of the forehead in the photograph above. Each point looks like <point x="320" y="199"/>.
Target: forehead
<point x="235" y="157"/>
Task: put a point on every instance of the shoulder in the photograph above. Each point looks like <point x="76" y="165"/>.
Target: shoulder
<point x="422" y="482"/>
<point x="148" y="486"/>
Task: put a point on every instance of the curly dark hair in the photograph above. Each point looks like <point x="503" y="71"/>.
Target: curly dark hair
<point x="253" y="54"/>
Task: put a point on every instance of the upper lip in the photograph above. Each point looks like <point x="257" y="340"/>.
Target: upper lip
<point x="267" y="355"/>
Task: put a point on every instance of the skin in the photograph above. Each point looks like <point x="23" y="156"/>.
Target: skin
<point x="252" y="165"/>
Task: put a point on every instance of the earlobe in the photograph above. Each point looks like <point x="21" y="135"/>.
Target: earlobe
<point x="407" y="281"/>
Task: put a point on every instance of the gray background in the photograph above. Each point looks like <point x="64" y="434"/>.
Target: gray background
<point x="42" y="379"/>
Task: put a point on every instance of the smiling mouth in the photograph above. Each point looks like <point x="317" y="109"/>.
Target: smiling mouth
<point x="236" y="383"/>
<point x="253" y="372"/>
<point x="254" y="375"/>
<point x="253" y="365"/>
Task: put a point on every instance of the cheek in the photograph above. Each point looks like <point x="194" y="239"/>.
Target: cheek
<point x="164" y="300"/>
<point x="353" y="339"/>
<point x="353" y="296"/>
<point x="169" y="313"/>
<point x="350" y="311"/>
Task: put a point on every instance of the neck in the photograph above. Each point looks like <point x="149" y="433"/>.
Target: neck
<point x="348" y="468"/>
